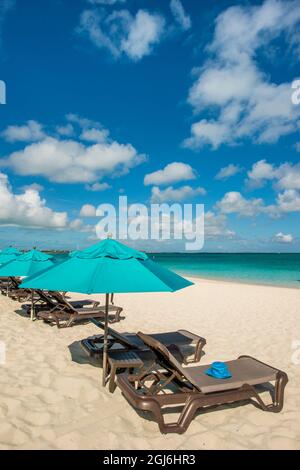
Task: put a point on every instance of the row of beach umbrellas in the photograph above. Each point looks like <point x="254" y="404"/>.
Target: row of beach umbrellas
<point x="104" y="268"/>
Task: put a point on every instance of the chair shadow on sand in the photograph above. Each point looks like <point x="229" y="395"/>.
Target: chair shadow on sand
<point x="80" y="357"/>
<point x="22" y="313"/>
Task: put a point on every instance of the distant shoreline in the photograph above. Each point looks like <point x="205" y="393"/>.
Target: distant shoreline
<point x="195" y="277"/>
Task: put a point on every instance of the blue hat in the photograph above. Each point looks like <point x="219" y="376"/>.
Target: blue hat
<point x="218" y="370"/>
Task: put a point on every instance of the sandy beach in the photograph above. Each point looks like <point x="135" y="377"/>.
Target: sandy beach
<point x="51" y="395"/>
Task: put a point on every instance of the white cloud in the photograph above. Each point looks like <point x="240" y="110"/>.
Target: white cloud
<point x="234" y="202"/>
<point x="288" y="176"/>
<point x="180" y="15"/>
<point x="87" y="210"/>
<point x="283" y="238"/>
<point x="76" y="224"/>
<point x="245" y="102"/>
<point x="216" y="226"/>
<point x="82" y="122"/>
<point x="91" y="131"/>
<point x="97" y="187"/>
<point x="228" y="171"/>
<point x="261" y="170"/>
<point x="289" y="201"/>
<point x="145" y="30"/>
<point x="122" y="33"/>
<point x="179" y="194"/>
<point x="38" y="187"/>
<point x="68" y="161"/>
<point x="172" y="173"/>
<point x="66" y="131"/>
<point x="94" y="135"/>
<point x="207" y="132"/>
<point x="30" y="132"/>
<point x="284" y="176"/>
<point x="27" y="209"/>
<point x="83" y="159"/>
<point x="79" y="226"/>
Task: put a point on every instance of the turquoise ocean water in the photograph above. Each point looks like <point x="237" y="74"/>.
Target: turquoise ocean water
<point x="275" y="269"/>
<point x="282" y="269"/>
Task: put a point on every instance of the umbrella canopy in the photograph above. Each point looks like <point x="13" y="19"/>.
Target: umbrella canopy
<point x="108" y="267"/>
<point x="11" y="251"/>
<point x="9" y="254"/>
<point x="27" y="264"/>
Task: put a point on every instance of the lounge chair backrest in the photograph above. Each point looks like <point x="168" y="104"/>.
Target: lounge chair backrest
<point x="57" y="296"/>
<point x="62" y="301"/>
<point x="165" y="357"/>
<point x="45" y="297"/>
<point x="15" y="281"/>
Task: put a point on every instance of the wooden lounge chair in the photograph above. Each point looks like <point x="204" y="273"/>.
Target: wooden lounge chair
<point x="5" y="284"/>
<point x="191" y="389"/>
<point x="131" y="341"/>
<point x="9" y="285"/>
<point x="19" y="294"/>
<point x="65" y="314"/>
<point x="11" y="288"/>
<point x="46" y="300"/>
<point x="4" y="280"/>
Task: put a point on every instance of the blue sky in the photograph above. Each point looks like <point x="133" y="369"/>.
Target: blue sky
<point x="163" y="101"/>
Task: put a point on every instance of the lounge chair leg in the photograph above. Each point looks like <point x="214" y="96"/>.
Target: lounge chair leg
<point x="116" y="318"/>
<point x="69" y="322"/>
<point x="57" y="321"/>
<point x="278" y="398"/>
<point x="112" y="383"/>
<point x="183" y="422"/>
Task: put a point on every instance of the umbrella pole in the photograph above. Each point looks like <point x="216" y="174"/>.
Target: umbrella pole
<point x="32" y="307"/>
<point x="7" y="286"/>
<point x="105" y="340"/>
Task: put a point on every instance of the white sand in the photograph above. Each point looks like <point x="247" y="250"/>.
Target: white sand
<point x="49" y="401"/>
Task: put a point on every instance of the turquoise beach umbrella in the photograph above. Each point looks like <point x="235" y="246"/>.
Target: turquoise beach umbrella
<point x="26" y="264"/>
<point x="11" y="251"/>
<point x="9" y="254"/>
<point x="108" y="266"/>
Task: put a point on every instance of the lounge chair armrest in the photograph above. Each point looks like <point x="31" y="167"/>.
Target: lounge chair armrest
<point x="195" y="338"/>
